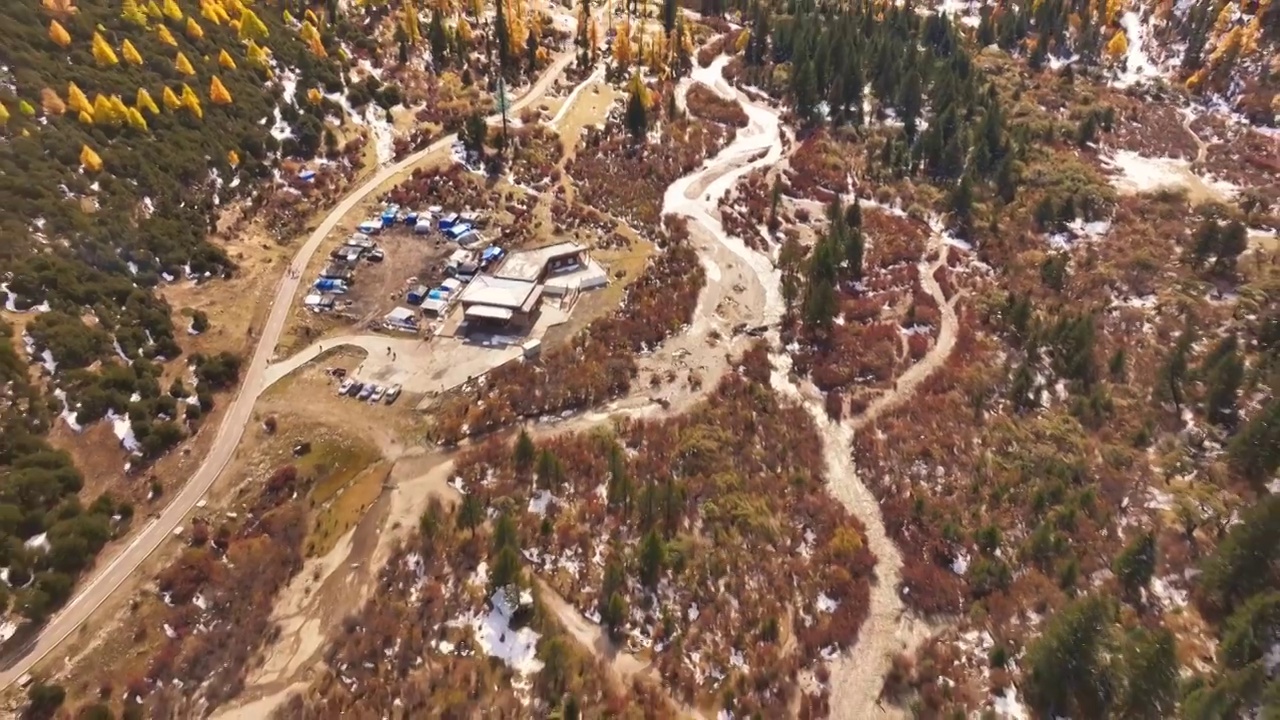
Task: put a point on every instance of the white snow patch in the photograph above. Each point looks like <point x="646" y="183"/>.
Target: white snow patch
<point x="123" y="429"/>
<point x="1007" y="705"/>
<point x="1140" y="174"/>
<point x="38" y="542"/>
<point x="960" y="565"/>
<point x="826" y="603"/>
<point x="1137" y="65"/>
<point x="7" y="630"/>
<point x="539" y="503"/>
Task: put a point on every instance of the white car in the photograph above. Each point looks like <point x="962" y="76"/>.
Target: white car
<point x="393" y="392"/>
<point x="378" y="392"/>
<point x="345" y="387"/>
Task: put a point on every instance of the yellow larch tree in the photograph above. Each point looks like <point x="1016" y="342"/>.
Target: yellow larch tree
<point x="316" y="47"/>
<point x="60" y="9"/>
<point x="465" y="33"/>
<point x="102" y="52"/>
<point x="119" y="109"/>
<point x="193" y="30"/>
<point x="1118" y="45"/>
<point x="85" y="118"/>
<point x="191" y="102"/>
<point x="744" y="37"/>
<point x="226" y="61"/>
<point x="26" y="108"/>
<point x="183" y="65"/>
<point x="311" y="17"/>
<point x="77" y="100"/>
<point x="314" y="96"/>
<point x="233" y="158"/>
<point x="170" y="99"/>
<point x="90" y="159"/>
<point x="172" y="11"/>
<point x="135" y="120"/>
<point x="144" y="102"/>
<point x="165" y="36"/>
<point x="218" y="93"/>
<point x="104" y="112"/>
<point x="59" y="34"/>
<point x="251" y="26"/>
<point x="409" y="21"/>
<point x="4" y="114"/>
<point x="307" y="31"/>
<point x="1227" y="50"/>
<point x="130" y="53"/>
<point x="153" y="10"/>
<point x="288" y="17"/>
<point x="50" y="103"/>
<point x="130" y="11"/>
<point x="622" y="44"/>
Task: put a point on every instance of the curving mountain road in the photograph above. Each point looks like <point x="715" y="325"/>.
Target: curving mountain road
<point x="239" y="414"/>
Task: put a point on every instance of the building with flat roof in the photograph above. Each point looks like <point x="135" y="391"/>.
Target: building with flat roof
<point x="489" y="300"/>
<point x="560" y="268"/>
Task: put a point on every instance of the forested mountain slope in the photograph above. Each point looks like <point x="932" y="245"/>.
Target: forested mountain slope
<point x="123" y="125"/>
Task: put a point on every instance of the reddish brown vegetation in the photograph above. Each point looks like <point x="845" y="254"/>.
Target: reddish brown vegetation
<point x="705" y="103"/>
<point x="752" y="539"/>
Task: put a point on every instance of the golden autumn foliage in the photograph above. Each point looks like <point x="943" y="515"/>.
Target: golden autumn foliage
<point x="409" y="21"/>
<point x="144" y="102"/>
<point x="50" y="103"/>
<point x="153" y="11"/>
<point x="172" y="11"/>
<point x="135" y="120"/>
<point x="465" y="33"/>
<point x="89" y="159"/>
<point x="226" y="61"/>
<point x="314" y="96"/>
<point x="251" y="26"/>
<point x="165" y="36"/>
<point x="170" y="99"/>
<point x="26" y="108"/>
<point x="307" y="31"/>
<point x="102" y="111"/>
<point x="85" y="118"/>
<point x="62" y="9"/>
<point x="183" y="65"/>
<point x="317" y="48"/>
<point x="4" y="114"/>
<point x="102" y="52"/>
<point x="622" y="44"/>
<point x="1196" y="81"/>
<point x="233" y="158"/>
<point x="740" y="45"/>
<point x="1118" y="45"/>
<point x="130" y="53"/>
<point x="119" y="109"/>
<point x="311" y="17"/>
<point x="193" y="30"/>
<point x="1228" y="47"/>
<point x="59" y="34"/>
<point x="191" y="102"/>
<point x="77" y="100"/>
<point x="218" y="93"/>
<point x="130" y="11"/>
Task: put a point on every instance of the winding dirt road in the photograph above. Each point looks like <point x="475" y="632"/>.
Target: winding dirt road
<point x="239" y="414"/>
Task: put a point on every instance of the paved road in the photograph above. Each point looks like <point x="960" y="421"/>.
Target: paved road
<point x="93" y="593"/>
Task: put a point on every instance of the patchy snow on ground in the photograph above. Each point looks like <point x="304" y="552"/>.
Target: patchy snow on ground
<point x="1137" y="64"/>
<point x="7" y="630"/>
<point x="539" y="503"/>
<point x="123" y="429"/>
<point x="517" y="648"/>
<point x="826" y="604"/>
<point x="1136" y="173"/>
<point x="1007" y="705"/>
<point x="1169" y="596"/>
<point x="960" y="565"/>
<point x="380" y="128"/>
<point x="38" y="542"/>
<point x="68" y="414"/>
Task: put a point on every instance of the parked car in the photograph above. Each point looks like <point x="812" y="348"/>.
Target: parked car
<point x="378" y="392"/>
<point x="377" y="255"/>
<point x="355" y="388"/>
<point x="345" y="387"/>
<point x="393" y="392"/>
<point x="366" y="392"/>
